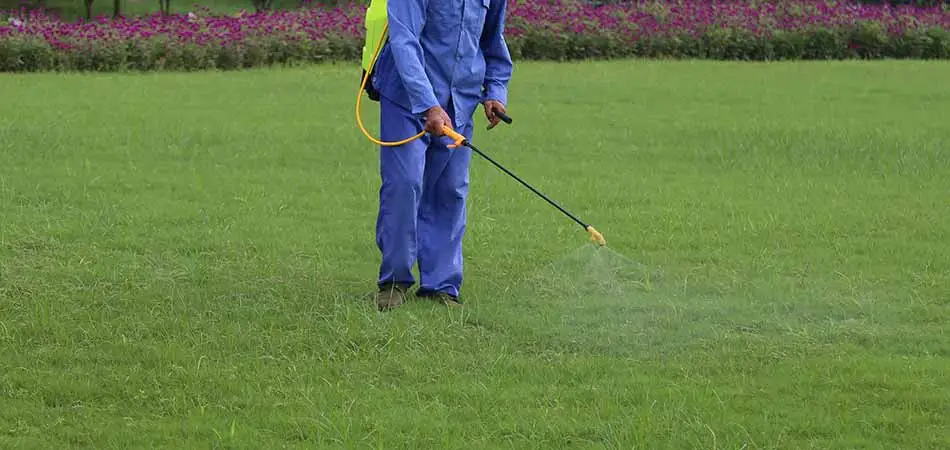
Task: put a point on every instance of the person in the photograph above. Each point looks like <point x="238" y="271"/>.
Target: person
<point x="441" y="60"/>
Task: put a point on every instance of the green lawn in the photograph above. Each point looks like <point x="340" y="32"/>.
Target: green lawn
<point x="186" y="261"/>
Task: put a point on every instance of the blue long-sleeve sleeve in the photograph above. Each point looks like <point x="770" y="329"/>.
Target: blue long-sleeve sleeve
<point x="444" y="53"/>
<point x="498" y="65"/>
<point x="406" y="21"/>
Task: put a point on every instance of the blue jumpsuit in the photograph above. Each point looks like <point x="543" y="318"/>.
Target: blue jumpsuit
<point x="450" y="53"/>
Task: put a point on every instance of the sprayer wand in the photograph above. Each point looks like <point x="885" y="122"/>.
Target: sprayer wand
<point x="458" y="139"/>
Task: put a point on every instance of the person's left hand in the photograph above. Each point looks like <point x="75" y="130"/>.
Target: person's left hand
<point x="491" y="105"/>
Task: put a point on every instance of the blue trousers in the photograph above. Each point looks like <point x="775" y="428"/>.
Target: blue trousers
<point x="422" y="202"/>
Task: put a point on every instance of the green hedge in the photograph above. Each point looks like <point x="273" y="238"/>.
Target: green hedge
<point x="863" y="41"/>
<point x="30" y="54"/>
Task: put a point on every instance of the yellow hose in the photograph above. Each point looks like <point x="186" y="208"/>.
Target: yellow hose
<point x="359" y="97"/>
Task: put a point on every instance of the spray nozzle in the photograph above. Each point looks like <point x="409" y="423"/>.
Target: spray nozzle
<point x="595" y="236"/>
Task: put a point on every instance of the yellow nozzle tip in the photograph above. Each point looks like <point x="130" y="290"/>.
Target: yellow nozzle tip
<point x="596" y="236"/>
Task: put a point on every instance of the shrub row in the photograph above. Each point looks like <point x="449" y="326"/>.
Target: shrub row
<point x="550" y="30"/>
<point x="31" y="54"/>
<point x="861" y="41"/>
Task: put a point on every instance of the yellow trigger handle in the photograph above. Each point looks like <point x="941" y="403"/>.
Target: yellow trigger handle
<point x="454" y="135"/>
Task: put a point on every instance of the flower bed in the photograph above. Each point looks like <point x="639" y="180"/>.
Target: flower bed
<point x="548" y="30"/>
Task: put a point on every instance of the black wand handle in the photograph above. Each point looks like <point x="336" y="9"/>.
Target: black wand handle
<point x="504" y="117"/>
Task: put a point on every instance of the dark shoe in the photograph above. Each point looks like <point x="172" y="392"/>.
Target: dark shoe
<point x="440" y="297"/>
<point x="390" y="296"/>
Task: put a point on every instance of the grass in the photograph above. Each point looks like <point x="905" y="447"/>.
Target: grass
<point x="185" y="261"/>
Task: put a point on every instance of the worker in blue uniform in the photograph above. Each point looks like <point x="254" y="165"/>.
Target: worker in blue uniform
<point x="443" y="58"/>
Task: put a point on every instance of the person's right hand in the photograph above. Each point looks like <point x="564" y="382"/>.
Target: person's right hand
<point x="436" y="118"/>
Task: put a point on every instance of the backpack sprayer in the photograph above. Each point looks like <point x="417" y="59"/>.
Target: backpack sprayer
<point x="377" y="25"/>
